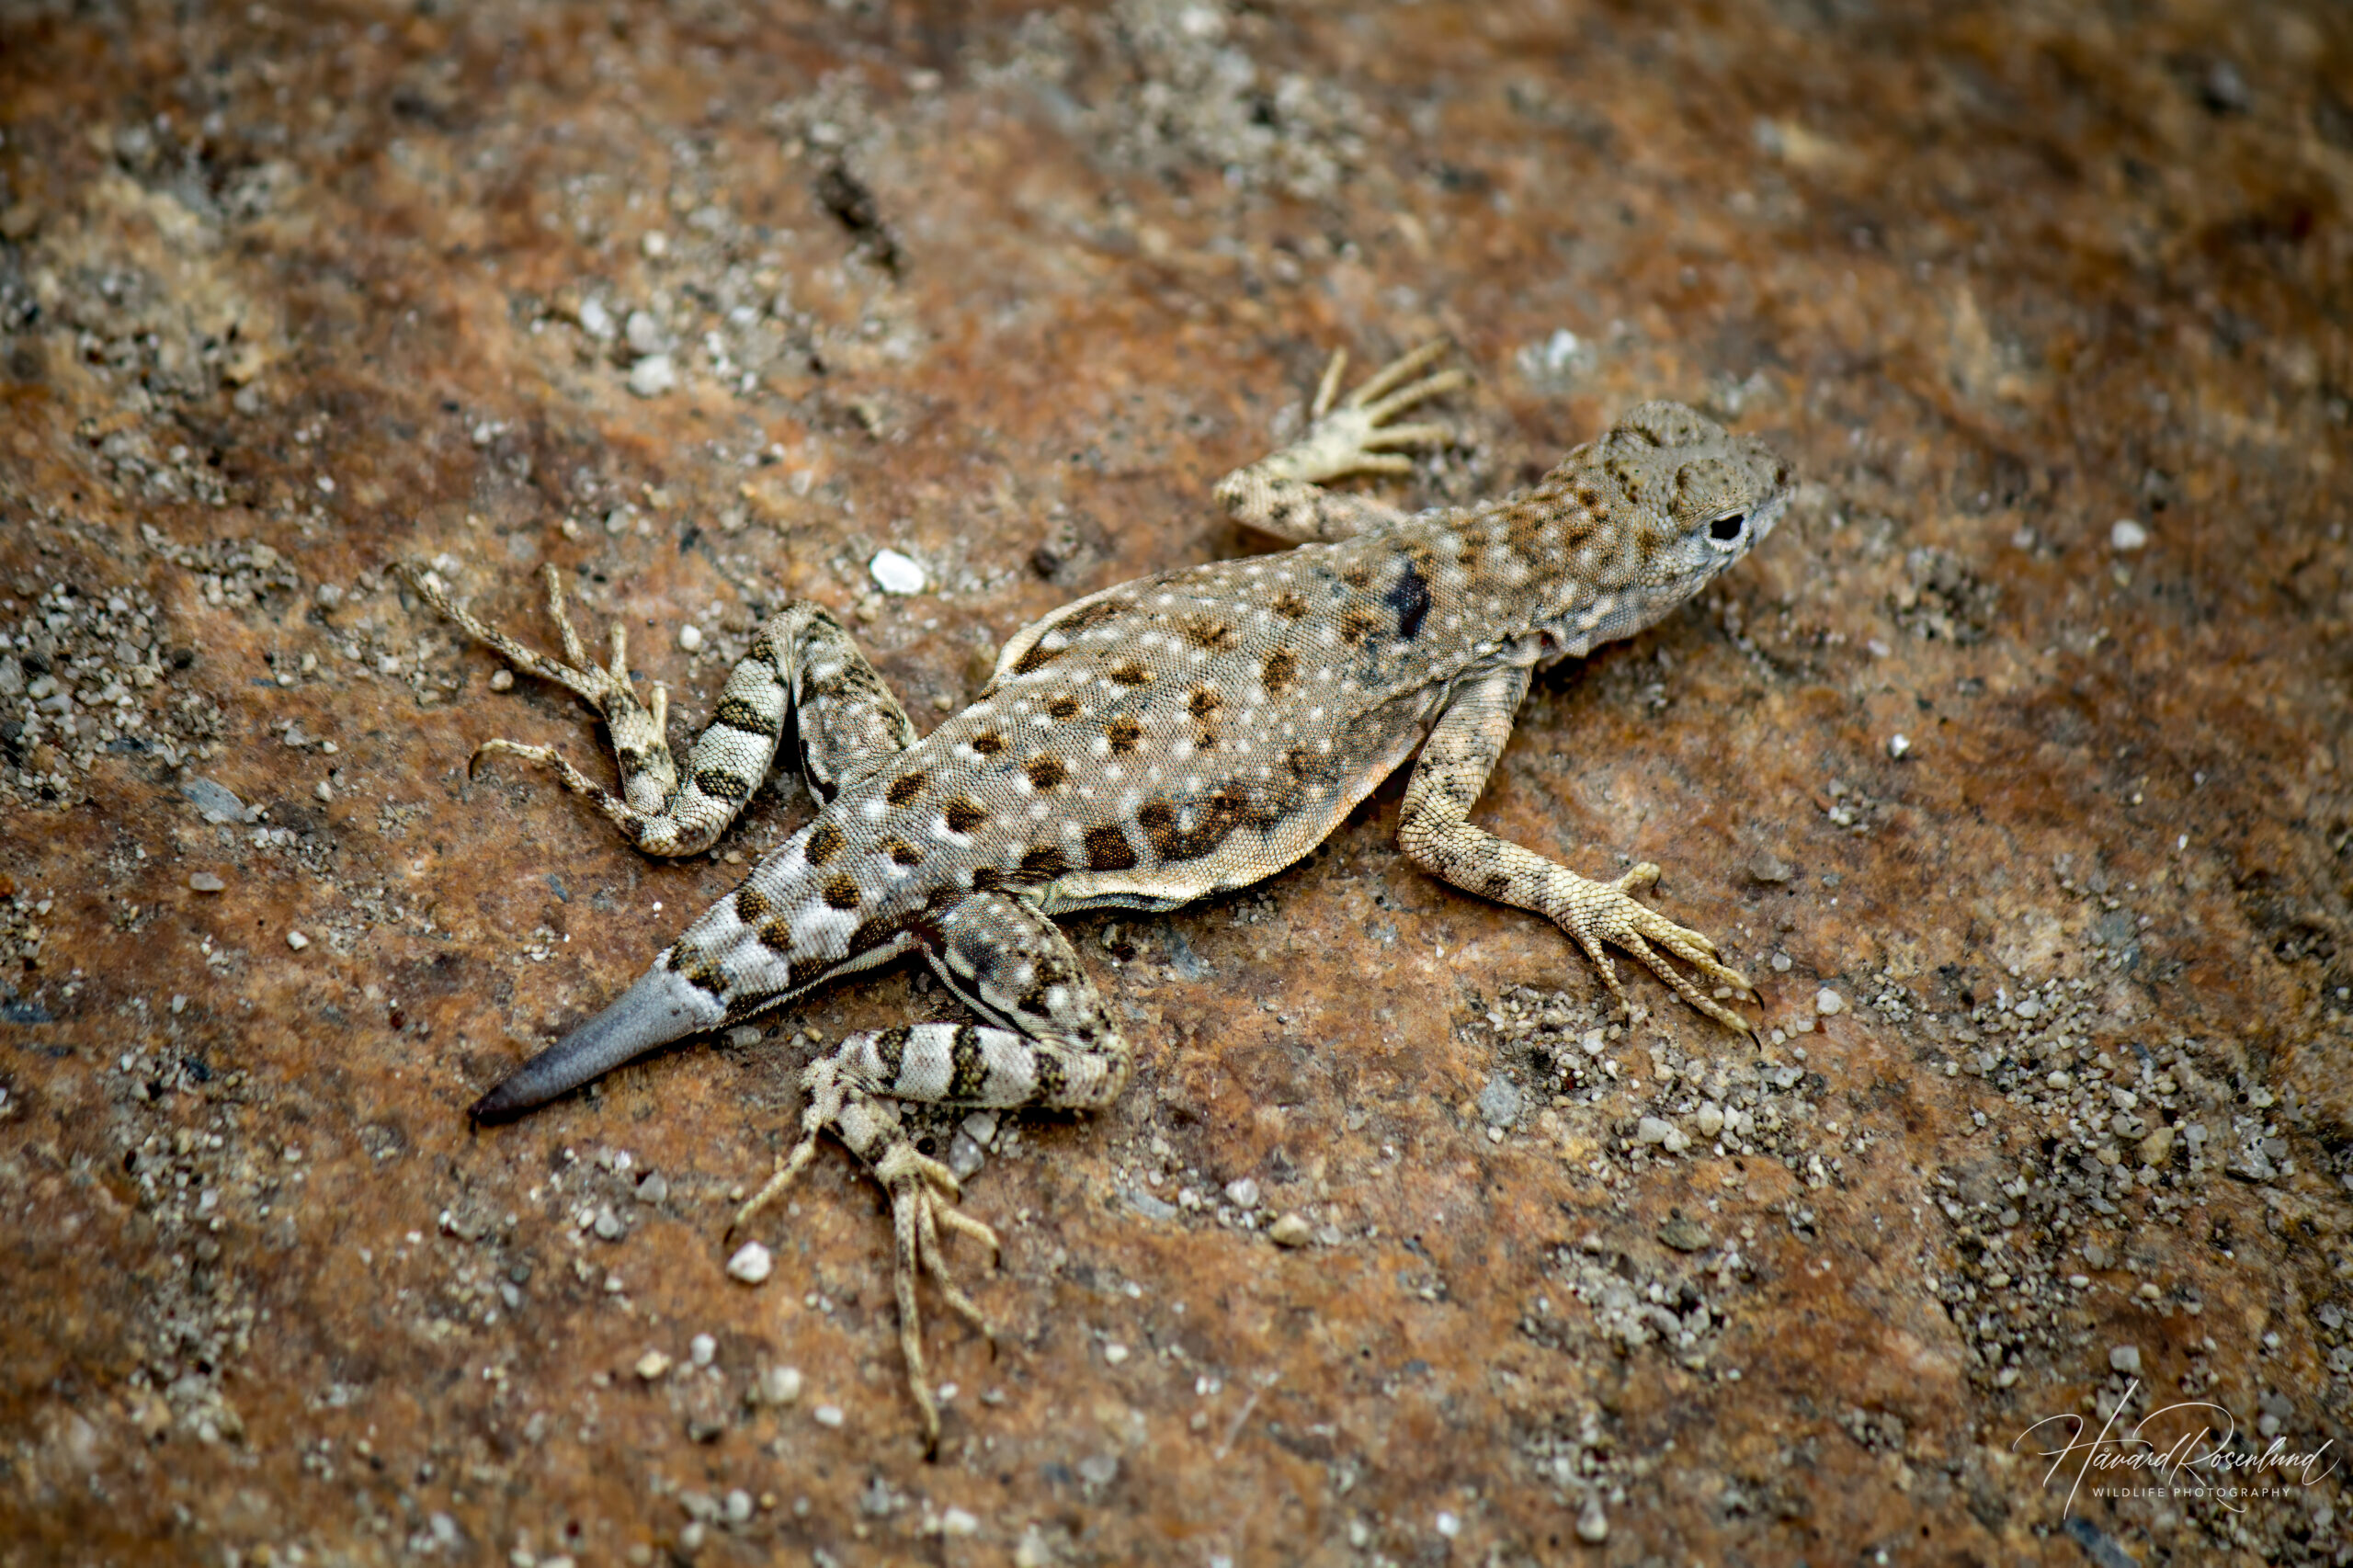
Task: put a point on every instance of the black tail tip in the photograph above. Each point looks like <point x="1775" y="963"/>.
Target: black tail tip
<point x="502" y="1104"/>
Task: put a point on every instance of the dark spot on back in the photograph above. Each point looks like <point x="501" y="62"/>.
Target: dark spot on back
<point x="964" y="814"/>
<point x="903" y="853"/>
<point x="841" y="891"/>
<point x="697" y="968"/>
<point x="1045" y="860"/>
<point x="1356" y="624"/>
<point x="988" y="878"/>
<point x="1123" y="733"/>
<point x="1132" y="674"/>
<point x="1062" y="707"/>
<point x="988" y="743"/>
<point x="1358" y="577"/>
<point x="1209" y="632"/>
<point x="751" y="905"/>
<point x="905" y="788"/>
<point x="1045" y="772"/>
<point x="1095" y="614"/>
<point x="1108" y="849"/>
<point x="1203" y="701"/>
<point x="1275" y="676"/>
<point x="1409" y="595"/>
<point x="1289" y="606"/>
<point x="1213" y="820"/>
<point x="1037" y="653"/>
<point x="824" y="843"/>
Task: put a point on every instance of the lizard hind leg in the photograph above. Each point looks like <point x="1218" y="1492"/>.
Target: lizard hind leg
<point x="1051" y="1043"/>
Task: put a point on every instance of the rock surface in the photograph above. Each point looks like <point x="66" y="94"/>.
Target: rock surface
<point x="710" y="306"/>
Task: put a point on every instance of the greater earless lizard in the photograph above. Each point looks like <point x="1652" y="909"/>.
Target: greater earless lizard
<point x="1148" y="745"/>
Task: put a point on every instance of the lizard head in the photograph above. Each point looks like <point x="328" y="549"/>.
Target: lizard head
<point x="1669" y="498"/>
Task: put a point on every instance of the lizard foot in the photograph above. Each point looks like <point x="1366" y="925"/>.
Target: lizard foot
<point x="1357" y="438"/>
<point x="923" y="1197"/>
<point x="1597" y="913"/>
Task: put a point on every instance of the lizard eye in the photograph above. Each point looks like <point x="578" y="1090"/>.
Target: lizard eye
<point x="1727" y="530"/>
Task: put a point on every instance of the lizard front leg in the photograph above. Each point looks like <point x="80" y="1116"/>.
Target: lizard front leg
<point x="801" y="664"/>
<point x="1283" y="494"/>
<point x="1049" y="1041"/>
<point x="1435" y="831"/>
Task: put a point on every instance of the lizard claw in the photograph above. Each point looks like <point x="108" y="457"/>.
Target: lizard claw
<point x="1356" y="436"/>
<point x="1597" y="913"/>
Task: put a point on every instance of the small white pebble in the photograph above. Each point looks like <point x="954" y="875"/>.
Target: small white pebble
<point x="653" y="376"/>
<point x="1652" y="1130"/>
<point x="655" y="245"/>
<point x="1898" y="744"/>
<point x="827" y="1416"/>
<point x="702" y="1350"/>
<point x="2124" y="1358"/>
<point x="1448" y="1526"/>
<point x="897" y="574"/>
<point x="738" y="1506"/>
<point x="751" y="1264"/>
<point x="205" y="882"/>
<point x="780" y="1385"/>
<point x="323" y="791"/>
<point x="1827" y="1002"/>
<point x="2126" y="535"/>
<point x="651" y="1364"/>
<point x="1242" y="1194"/>
<point x="1712" y="1120"/>
<point x="502" y="681"/>
<point x="1290" y="1230"/>
<point x="1114" y="1354"/>
<point x="295" y="940"/>
<point x="957" y="1522"/>
<point x="1593" y="1525"/>
<point x="691" y="637"/>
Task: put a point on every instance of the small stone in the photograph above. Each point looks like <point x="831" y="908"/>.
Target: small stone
<point x="653" y="376"/>
<point x="1827" y="1002"/>
<point x="2156" y="1149"/>
<point x="1499" y="1102"/>
<point x="738" y="1506"/>
<point x="323" y="791"/>
<point x="502" y="681"/>
<point x="1150" y="1208"/>
<point x="897" y="574"/>
<point x="827" y="1416"/>
<point x="2125" y="1358"/>
<point x="691" y="637"/>
<point x="1290" y="1230"/>
<point x="964" y="1156"/>
<point x="1449" y="1525"/>
<point x="653" y="1188"/>
<point x="1593" y="1525"/>
<point x="206" y="881"/>
<point x="1652" y="1130"/>
<point x="1684" y="1234"/>
<point x="1897" y="745"/>
<point x="1764" y="867"/>
<point x="743" y="1037"/>
<point x="1242" y="1193"/>
<point x="780" y="1385"/>
<point x="957" y="1522"/>
<point x="1712" y="1120"/>
<point x="2126" y="535"/>
<point x="751" y="1264"/>
<point x="651" y="1364"/>
<point x="702" y="1350"/>
<point x="607" y="1225"/>
<point x="655" y="245"/>
<point x="1114" y="1354"/>
<point x="980" y="1127"/>
<point x="295" y="940"/>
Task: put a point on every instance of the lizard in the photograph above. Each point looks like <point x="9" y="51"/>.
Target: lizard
<point x="1145" y="747"/>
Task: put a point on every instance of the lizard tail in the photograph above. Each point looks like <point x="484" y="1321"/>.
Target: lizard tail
<point x="661" y="1006"/>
